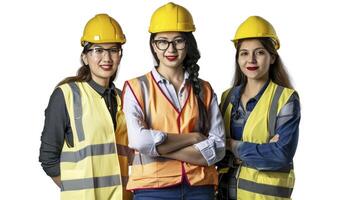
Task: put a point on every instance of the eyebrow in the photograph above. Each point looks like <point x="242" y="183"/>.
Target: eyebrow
<point x="98" y="45"/>
<point x="179" y="36"/>
<point x="253" y="49"/>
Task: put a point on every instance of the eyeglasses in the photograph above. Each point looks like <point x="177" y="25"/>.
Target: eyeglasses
<point x="178" y="44"/>
<point x="99" y="51"/>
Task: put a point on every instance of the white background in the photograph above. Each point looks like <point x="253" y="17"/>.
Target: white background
<point x="40" y="45"/>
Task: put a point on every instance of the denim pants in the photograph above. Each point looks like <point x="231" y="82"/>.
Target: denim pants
<point x="182" y="191"/>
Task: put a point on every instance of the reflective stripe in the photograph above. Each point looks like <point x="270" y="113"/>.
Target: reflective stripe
<point x="287" y="109"/>
<point x="77" y="109"/>
<point x="285" y="169"/>
<point x="273" y="110"/>
<point x="89" y="183"/>
<point x="285" y="114"/>
<point x="124" y="150"/>
<point x="142" y="159"/>
<point x="264" y="189"/>
<point x="91" y="150"/>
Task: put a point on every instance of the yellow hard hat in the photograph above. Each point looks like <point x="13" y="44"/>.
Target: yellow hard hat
<point x="171" y="17"/>
<point x="256" y="27"/>
<point x="102" y="29"/>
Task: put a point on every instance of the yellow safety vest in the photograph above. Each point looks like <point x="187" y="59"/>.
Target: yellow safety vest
<point x="259" y="128"/>
<point x="160" y="114"/>
<point x="96" y="167"/>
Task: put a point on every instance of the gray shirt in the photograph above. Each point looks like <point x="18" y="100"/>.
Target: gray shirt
<point x="57" y="128"/>
<point x="146" y="139"/>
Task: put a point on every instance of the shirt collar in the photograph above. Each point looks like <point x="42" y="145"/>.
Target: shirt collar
<point x="237" y="92"/>
<point x="102" y="90"/>
<point x="159" y="78"/>
<point x="260" y="93"/>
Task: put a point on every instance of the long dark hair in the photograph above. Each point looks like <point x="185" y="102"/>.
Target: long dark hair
<point x="83" y="73"/>
<point x="277" y="72"/>
<point x="190" y="65"/>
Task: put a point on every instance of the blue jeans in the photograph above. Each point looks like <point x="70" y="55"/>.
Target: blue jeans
<point x="182" y="191"/>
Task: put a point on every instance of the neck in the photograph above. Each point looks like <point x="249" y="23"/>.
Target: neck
<point x="174" y="75"/>
<point x="253" y="87"/>
<point x="102" y="82"/>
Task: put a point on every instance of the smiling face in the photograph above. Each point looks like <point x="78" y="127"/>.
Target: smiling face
<point x="254" y="60"/>
<point x="170" y="48"/>
<point x="103" y="60"/>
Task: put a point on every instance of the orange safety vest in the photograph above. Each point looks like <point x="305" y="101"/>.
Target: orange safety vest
<point x="161" y="114"/>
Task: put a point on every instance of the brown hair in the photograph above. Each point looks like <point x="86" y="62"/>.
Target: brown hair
<point x="277" y="72"/>
<point x="83" y="73"/>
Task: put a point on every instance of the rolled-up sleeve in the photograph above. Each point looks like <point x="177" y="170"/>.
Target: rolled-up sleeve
<point x="213" y="148"/>
<point x="140" y="137"/>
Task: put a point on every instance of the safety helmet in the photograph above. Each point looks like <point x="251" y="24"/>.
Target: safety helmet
<point x="102" y="29"/>
<point x="171" y="17"/>
<point x="256" y="27"/>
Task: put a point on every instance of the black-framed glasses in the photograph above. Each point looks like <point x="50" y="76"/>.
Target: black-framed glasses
<point x="99" y="51"/>
<point x="178" y="44"/>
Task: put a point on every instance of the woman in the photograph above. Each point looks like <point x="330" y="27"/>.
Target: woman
<point x="262" y="115"/>
<point x="174" y="123"/>
<point x="84" y="141"/>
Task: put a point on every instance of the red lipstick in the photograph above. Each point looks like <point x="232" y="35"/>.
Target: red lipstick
<point x="171" y="58"/>
<point x="106" y="67"/>
<point x="252" y="68"/>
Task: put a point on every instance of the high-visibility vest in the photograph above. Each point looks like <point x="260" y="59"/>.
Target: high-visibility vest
<point x="259" y="128"/>
<point x="161" y="114"/>
<point x="96" y="166"/>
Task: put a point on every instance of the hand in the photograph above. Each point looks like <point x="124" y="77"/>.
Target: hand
<point x="197" y="137"/>
<point x="274" y="139"/>
<point x="230" y="144"/>
<point x="57" y="180"/>
<point x="237" y="161"/>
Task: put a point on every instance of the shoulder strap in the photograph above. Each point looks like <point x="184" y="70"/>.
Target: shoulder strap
<point x="273" y="110"/>
<point x="77" y="109"/>
<point x="206" y="93"/>
<point x="226" y="101"/>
